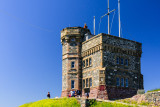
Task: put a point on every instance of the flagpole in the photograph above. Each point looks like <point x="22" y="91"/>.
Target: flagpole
<point x="119" y="18"/>
<point x="108" y="19"/>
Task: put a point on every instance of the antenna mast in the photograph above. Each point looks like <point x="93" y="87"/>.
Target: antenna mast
<point x="108" y="19"/>
<point x="94" y="26"/>
<point x="119" y="18"/>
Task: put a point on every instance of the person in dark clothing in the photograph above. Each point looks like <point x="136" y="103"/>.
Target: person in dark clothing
<point x="48" y="95"/>
<point x="78" y="93"/>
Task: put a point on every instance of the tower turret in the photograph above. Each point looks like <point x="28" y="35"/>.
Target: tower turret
<point x="71" y="39"/>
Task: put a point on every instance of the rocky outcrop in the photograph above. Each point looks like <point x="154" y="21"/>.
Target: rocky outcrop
<point x="151" y="97"/>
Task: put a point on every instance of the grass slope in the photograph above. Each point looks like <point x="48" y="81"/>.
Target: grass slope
<point x="62" y="102"/>
<point x="94" y="103"/>
<point x="108" y="104"/>
<point x="154" y="90"/>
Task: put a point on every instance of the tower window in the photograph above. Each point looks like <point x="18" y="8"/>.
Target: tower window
<point x="84" y="64"/>
<point x="73" y="39"/>
<point x="72" y="64"/>
<point x="126" y="62"/>
<point x="117" y="82"/>
<point x="90" y="82"/>
<point x="87" y="62"/>
<point x="122" y="61"/>
<point x="83" y="83"/>
<point x="73" y="44"/>
<point x="90" y="61"/>
<point x="126" y="82"/>
<point x="122" y="82"/>
<point x="72" y="84"/>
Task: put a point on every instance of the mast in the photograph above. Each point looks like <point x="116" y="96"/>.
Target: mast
<point x="94" y="26"/>
<point x="108" y="19"/>
<point x="119" y="18"/>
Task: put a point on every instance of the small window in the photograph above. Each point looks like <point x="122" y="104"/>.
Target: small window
<point x="86" y="62"/>
<point x="90" y="82"/>
<point x="73" y="39"/>
<point x="87" y="82"/>
<point x="72" y="84"/>
<point x="72" y="64"/>
<point x="117" y="82"/>
<point x="83" y="83"/>
<point x="117" y="60"/>
<point x="126" y="62"/>
<point x="122" y="61"/>
<point x="101" y="79"/>
<point x="122" y="82"/>
<point x="126" y="82"/>
<point x="90" y="61"/>
<point x="101" y="72"/>
<point x="73" y="44"/>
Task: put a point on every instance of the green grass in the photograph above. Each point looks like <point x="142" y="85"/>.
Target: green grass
<point x="129" y="101"/>
<point x="109" y="104"/>
<point x="153" y="90"/>
<point x="62" y="102"/>
<point x="94" y="103"/>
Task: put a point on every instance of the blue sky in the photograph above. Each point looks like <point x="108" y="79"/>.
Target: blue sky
<point x="30" y="48"/>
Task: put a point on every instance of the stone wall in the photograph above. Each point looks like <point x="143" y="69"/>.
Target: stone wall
<point x="153" y="97"/>
<point x="93" y="71"/>
<point x="64" y="74"/>
<point x="134" y="79"/>
<point x="114" y="47"/>
<point x="121" y="42"/>
<point x="64" y="48"/>
<point x="109" y="60"/>
<point x="92" y="42"/>
<point x="120" y="93"/>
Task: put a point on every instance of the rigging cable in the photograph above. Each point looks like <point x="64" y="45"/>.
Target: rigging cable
<point x="112" y="21"/>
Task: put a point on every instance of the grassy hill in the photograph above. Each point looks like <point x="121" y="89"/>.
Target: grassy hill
<point x="61" y="102"/>
<point x="70" y="102"/>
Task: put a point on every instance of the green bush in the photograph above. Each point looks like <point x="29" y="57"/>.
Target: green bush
<point x="62" y="102"/>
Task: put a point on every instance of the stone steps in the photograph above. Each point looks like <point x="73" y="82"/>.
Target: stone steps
<point x="82" y="101"/>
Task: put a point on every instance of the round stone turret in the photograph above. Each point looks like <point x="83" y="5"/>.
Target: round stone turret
<point x="77" y="32"/>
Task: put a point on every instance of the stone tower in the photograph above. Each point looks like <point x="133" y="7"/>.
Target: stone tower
<point x="71" y="39"/>
<point x="105" y="66"/>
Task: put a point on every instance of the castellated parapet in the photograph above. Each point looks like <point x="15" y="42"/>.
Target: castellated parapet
<point x="103" y="65"/>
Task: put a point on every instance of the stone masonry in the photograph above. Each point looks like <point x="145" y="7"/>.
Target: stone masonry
<point x="105" y="66"/>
